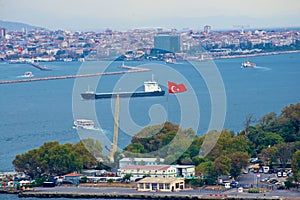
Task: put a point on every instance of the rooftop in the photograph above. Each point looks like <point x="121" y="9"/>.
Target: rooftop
<point x="159" y="180"/>
<point x="140" y="159"/>
<point x="146" y="167"/>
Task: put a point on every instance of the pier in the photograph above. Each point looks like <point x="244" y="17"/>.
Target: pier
<point x="130" y="70"/>
<point x="40" y="67"/>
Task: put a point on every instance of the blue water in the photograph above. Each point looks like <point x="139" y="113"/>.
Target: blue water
<point x="37" y="112"/>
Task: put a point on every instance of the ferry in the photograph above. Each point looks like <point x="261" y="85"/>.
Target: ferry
<point x="248" y="64"/>
<point x="151" y="88"/>
<point x="84" y="124"/>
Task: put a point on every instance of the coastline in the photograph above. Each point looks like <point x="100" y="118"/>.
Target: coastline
<point x="211" y="58"/>
<point x="259" y="54"/>
<point x="132" y="196"/>
<point x="131" y="193"/>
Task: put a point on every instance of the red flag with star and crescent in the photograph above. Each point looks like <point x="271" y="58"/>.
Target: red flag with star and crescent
<point x="176" y="88"/>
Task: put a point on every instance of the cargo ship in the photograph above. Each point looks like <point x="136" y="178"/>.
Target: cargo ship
<point x="151" y="88"/>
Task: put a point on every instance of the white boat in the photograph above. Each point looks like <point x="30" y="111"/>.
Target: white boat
<point x="170" y="60"/>
<point x="28" y="75"/>
<point x="84" y="124"/>
<point x="248" y="64"/>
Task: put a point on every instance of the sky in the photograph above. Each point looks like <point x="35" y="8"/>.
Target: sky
<point x="130" y="14"/>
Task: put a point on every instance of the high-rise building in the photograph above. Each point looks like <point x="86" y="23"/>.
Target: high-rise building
<point x="167" y="43"/>
<point x="2" y="32"/>
<point x="207" y="29"/>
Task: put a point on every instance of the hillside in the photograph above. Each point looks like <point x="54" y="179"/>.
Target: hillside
<point x="12" y="26"/>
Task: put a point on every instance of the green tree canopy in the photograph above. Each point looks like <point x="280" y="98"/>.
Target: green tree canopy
<point x="296" y="165"/>
<point x="53" y="158"/>
<point x="222" y="165"/>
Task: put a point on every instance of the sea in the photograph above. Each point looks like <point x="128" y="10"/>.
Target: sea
<point x="220" y="94"/>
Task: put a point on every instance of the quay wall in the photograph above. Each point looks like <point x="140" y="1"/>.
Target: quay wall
<point x="132" y="196"/>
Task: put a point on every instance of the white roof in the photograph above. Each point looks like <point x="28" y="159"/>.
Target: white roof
<point x="184" y="166"/>
<point x="141" y="159"/>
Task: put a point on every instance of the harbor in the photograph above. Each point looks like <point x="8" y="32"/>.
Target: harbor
<point x="130" y="70"/>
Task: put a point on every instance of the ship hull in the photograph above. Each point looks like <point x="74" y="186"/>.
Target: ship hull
<point x="121" y="94"/>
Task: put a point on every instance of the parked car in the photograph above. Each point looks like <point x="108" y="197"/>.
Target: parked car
<point x="284" y="174"/>
<point x="273" y="181"/>
<point x="234" y="184"/>
<point x="279" y="174"/>
<point x="265" y="179"/>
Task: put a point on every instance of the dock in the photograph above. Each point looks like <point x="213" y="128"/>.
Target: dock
<point x="130" y="70"/>
<point x="40" y="67"/>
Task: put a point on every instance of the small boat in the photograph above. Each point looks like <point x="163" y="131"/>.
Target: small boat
<point x="84" y="124"/>
<point x="151" y="88"/>
<point x="170" y="60"/>
<point x="28" y="75"/>
<point x="248" y="64"/>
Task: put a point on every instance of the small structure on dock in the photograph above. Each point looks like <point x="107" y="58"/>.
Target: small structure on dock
<point x="170" y="184"/>
<point x="73" y="177"/>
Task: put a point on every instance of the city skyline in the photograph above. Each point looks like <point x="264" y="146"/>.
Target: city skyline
<point x="130" y="14"/>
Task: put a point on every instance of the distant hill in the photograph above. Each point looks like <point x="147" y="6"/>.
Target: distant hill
<point x="13" y="26"/>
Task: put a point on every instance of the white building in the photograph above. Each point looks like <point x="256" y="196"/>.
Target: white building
<point x="160" y="184"/>
<point x="140" y="161"/>
<point x="140" y="171"/>
<point x="185" y="171"/>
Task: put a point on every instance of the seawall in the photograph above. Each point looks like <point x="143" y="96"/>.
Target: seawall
<point x="133" y="196"/>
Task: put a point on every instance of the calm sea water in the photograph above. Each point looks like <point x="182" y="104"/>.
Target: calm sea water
<point x="37" y="112"/>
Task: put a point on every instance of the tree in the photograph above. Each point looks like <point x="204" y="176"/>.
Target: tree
<point x="93" y="146"/>
<point x="269" y="139"/>
<point x="205" y="168"/>
<point x="292" y="113"/>
<point x="269" y="155"/>
<point x="54" y="159"/>
<point x="267" y="120"/>
<point x="249" y="120"/>
<point x="135" y="148"/>
<point x="86" y="157"/>
<point x="239" y="160"/>
<point x="296" y="165"/>
<point x="127" y="177"/>
<point x="222" y="165"/>
<point x="284" y="153"/>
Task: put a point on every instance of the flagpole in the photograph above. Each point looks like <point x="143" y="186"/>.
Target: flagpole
<point x="167" y="101"/>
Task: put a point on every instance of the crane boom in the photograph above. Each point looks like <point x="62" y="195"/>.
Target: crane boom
<point x="116" y="129"/>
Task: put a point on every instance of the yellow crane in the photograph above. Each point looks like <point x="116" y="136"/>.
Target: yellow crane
<point x="116" y="129"/>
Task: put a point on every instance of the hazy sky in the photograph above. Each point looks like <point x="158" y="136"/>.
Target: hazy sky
<point x="128" y="14"/>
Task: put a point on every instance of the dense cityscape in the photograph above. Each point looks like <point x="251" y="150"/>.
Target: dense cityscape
<point x="137" y="44"/>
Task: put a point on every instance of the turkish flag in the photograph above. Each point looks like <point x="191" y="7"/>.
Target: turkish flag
<point x="176" y="88"/>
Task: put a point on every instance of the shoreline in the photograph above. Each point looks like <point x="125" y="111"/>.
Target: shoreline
<point x="209" y="58"/>
<point x="117" y="195"/>
<point x="259" y="54"/>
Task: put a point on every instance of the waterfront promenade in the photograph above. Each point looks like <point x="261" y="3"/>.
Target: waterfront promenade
<point x="132" y="193"/>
